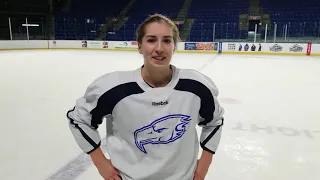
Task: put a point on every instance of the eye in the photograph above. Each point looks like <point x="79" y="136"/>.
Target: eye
<point x="167" y="41"/>
<point x="151" y="40"/>
<point x="160" y="130"/>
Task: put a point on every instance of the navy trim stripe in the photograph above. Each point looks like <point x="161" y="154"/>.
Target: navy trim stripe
<point x="203" y="144"/>
<point x="211" y="135"/>
<point x="109" y="99"/>
<point x="207" y="107"/>
<point x="205" y="148"/>
<point x="99" y="144"/>
<point x="72" y="121"/>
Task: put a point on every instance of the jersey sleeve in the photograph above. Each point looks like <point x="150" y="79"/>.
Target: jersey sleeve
<point x="211" y="118"/>
<point x="83" y="122"/>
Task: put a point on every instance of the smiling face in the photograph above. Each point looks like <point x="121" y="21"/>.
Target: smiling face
<point x="157" y="45"/>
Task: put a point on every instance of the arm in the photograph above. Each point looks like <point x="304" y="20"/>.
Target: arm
<point x="98" y="158"/>
<point x="203" y="165"/>
<point x="206" y="157"/>
<point x="211" y="120"/>
<point x="84" y="120"/>
<point x="83" y="123"/>
<point x="104" y="165"/>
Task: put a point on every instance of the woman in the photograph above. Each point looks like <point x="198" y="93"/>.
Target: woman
<point x="152" y="112"/>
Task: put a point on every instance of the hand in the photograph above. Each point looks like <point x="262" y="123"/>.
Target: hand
<point x="104" y="165"/>
<point x="108" y="171"/>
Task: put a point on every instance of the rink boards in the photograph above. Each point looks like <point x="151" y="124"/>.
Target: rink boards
<point x="299" y="49"/>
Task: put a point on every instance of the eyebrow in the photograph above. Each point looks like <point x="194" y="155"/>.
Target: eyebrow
<point x="156" y="36"/>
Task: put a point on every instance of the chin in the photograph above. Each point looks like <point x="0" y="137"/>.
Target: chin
<point x="155" y="65"/>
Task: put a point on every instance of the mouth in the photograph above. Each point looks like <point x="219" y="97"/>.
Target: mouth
<point x="158" y="58"/>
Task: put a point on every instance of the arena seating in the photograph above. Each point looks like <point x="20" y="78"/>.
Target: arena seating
<point x="137" y="14"/>
<point x="301" y="17"/>
<point x="224" y="13"/>
<point x="83" y="20"/>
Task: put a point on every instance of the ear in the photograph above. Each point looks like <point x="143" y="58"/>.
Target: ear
<point x="140" y="48"/>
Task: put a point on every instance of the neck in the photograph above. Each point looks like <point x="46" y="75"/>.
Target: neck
<point x="157" y="77"/>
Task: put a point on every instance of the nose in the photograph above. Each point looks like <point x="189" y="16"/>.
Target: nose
<point x="159" y="47"/>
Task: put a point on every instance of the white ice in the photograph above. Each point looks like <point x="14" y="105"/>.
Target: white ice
<point x="272" y="103"/>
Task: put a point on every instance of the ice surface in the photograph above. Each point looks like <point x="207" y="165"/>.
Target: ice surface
<point x="272" y="121"/>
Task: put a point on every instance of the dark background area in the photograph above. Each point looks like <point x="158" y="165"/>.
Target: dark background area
<point x="198" y="20"/>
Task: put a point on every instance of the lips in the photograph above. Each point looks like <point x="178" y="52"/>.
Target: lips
<point x="160" y="58"/>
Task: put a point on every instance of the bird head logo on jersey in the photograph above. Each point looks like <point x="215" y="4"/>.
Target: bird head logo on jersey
<point x="164" y="130"/>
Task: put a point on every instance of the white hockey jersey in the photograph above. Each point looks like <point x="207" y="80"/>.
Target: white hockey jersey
<point x="154" y="133"/>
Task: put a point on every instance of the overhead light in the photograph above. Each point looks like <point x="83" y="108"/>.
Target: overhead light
<point x="33" y="25"/>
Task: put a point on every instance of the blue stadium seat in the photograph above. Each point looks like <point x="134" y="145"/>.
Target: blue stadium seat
<point x="224" y="14"/>
<point x="84" y="19"/>
<point x="301" y="17"/>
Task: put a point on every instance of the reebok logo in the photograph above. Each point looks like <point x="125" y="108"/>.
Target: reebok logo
<point x="161" y="103"/>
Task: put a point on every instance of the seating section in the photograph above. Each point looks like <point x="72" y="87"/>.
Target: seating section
<point x="84" y="18"/>
<point x="142" y="9"/>
<point x="225" y="16"/>
<point x="213" y="19"/>
<point x="301" y="17"/>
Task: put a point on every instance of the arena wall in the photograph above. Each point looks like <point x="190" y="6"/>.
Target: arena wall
<point x="297" y="49"/>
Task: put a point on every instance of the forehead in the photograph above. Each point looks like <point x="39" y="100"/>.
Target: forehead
<point x="158" y="29"/>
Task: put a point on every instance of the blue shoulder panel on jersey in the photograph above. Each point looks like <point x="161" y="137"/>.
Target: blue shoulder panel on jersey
<point x="207" y="102"/>
<point x="110" y="98"/>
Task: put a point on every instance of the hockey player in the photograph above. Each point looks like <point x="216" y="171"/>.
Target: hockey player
<point x="153" y="112"/>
